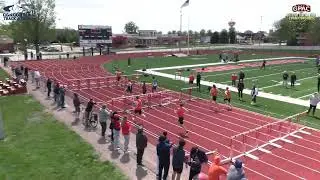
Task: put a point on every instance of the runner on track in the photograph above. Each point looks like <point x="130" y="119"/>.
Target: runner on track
<point x="154" y="84"/>
<point x="180" y="112"/>
<point x="118" y="76"/>
<point x="214" y="94"/>
<point x="129" y="87"/>
<point x="263" y="66"/>
<point x="138" y="107"/>
<point x="227" y="98"/>
<point x="144" y="88"/>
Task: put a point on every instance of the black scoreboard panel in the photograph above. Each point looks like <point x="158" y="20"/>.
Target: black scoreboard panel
<point x="92" y="36"/>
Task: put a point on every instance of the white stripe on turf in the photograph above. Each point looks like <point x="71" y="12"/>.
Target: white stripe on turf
<point x="280" y="83"/>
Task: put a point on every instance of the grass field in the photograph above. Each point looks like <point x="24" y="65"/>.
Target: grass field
<point x="264" y="106"/>
<point x="270" y="79"/>
<point x="38" y="147"/>
<point x="154" y="62"/>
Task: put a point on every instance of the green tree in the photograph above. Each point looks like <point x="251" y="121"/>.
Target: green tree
<point x="196" y="35"/>
<point x="209" y="33"/>
<point x="288" y="29"/>
<point x="40" y="27"/>
<point x="214" y="38"/>
<point x="224" y="37"/>
<point x="315" y="31"/>
<point x="185" y="33"/>
<point x="232" y="35"/>
<point x="202" y="33"/>
<point x="175" y="32"/>
<point x="5" y="29"/>
<point x="131" y="28"/>
<point x="169" y="32"/>
<point x="66" y="35"/>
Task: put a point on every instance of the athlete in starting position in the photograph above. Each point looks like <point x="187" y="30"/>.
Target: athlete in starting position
<point x="227" y="98"/>
<point x="180" y="112"/>
<point x="138" y="108"/>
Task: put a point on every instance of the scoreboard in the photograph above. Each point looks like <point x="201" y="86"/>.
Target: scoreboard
<point x="95" y="35"/>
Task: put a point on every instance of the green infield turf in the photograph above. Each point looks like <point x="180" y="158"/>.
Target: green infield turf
<point x="270" y="79"/>
<point x="157" y="62"/>
<point x="264" y="106"/>
<point x="37" y="147"/>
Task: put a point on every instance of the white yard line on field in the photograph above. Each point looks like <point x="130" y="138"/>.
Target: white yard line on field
<point x="256" y="77"/>
<point x="250" y="70"/>
<point x="280" y="83"/>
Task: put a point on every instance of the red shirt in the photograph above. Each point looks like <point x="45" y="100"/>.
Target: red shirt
<point x="125" y="128"/>
<point x="191" y="78"/>
<point x="180" y="112"/>
<point x="234" y="77"/>
<point x="138" y="104"/>
<point x="214" y="92"/>
<point x="116" y="122"/>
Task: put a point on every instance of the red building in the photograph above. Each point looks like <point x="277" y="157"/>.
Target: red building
<point x="6" y="44"/>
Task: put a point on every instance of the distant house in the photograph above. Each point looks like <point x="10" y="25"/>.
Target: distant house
<point x="6" y="44"/>
<point x="304" y="39"/>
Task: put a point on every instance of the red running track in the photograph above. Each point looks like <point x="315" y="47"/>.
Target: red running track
<point x="208" y="129"/>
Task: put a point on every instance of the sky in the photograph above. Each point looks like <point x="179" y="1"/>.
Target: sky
<point x="164" y="15"/>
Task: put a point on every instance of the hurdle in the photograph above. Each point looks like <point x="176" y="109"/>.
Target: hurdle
<point x="186" y="94"/>
<point x="281" y="130"/>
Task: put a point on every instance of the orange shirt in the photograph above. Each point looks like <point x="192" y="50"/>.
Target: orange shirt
<point x="214" y="92"/>
<point x="138" y="104"/>
<point x="180" y="112"/>
<point x="216" y="170"/>
<point x="227" y="94"/>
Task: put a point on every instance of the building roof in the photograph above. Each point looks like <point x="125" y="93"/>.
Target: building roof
<point x="4" y="39"/>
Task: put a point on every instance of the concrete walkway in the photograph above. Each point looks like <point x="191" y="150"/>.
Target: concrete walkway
<point x="275" y="97"/>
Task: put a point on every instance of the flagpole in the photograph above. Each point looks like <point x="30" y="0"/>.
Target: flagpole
<point x="188" y="33"/>
<point x="180" y="29"/>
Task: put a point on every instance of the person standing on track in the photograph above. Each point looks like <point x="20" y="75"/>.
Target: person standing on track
<point x="214" y="94"/>
<point x="198" y="81"/>
<point x="116" y="132"/>
<point x="285" y="77"/>
<point x="240" y="89"/>
<point x="118" y="76"/>
<point x="180" y="112"/>
<point x="227" y="98"/>
<point x="293" y="79"/>
<point x="88" y="111"/>
<point x="191" y="79"/>
<point x="163" y="152"/>
<point x="154" y="84"/>
<point x="144" y="88"/>
<point x="236" y="171"/>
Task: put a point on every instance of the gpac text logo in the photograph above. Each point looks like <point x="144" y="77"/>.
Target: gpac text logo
<point x="301" y="8"/>
<point x="17" y="12"/>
